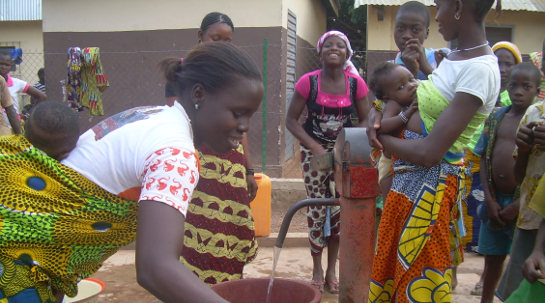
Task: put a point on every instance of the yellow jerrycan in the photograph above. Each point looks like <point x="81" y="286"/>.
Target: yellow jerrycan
<point x="261" y="206"/>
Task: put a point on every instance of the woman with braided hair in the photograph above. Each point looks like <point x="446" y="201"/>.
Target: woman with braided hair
<point x="219" y="231"/>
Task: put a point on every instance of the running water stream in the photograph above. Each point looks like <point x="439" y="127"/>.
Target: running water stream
<point x="276" y="255"/>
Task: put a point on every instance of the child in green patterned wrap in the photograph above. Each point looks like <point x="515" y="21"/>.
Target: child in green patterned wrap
<point x="53" y="128"/>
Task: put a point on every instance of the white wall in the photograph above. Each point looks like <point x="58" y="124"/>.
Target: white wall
<point x="136" y="15"/>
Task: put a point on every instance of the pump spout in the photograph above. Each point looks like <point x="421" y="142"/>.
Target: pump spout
<point x="294" y="208"/>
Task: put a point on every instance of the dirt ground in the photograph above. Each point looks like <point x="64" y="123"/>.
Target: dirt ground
<point x="298" y="223"/>
<point x="119" y="275"/>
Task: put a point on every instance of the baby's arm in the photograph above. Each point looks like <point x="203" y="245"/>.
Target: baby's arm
<point x="392" y="121"/>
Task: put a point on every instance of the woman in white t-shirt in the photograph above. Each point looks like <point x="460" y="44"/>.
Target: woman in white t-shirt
<point x="147" y="154"/>
<point x="420" y="228"/>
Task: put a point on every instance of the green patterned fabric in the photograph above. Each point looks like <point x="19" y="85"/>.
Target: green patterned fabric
<point x="431" y="104"/>
<point x="54" y="221"/>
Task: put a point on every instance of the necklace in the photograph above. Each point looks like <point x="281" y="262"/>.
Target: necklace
<point x="469" y="48"/>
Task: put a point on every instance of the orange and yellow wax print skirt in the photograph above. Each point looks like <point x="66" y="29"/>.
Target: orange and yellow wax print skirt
<point x="419" y="240"/>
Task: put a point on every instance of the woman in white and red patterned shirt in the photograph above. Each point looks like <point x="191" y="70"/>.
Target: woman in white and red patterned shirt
<point x="147" y="154"/>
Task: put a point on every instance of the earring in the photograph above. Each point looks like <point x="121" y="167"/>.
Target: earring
<point x="457" y="17"/>
<point x="196" y="106"/>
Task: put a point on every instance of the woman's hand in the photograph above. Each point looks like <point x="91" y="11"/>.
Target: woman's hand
<point x="317" y="151"/>
<point x="375" y="117"/>
<point x="510" y="212"/>
<point x="252" y="187"/>
<point x="539" y="136"/>
<point x="525" y="137"/>
<point x="411" y="56"/>
<point x="412" y="109"/>
<point x="534" y="267"/>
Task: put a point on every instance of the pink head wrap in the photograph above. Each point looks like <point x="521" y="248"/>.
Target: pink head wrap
<point x="348" y="65"/>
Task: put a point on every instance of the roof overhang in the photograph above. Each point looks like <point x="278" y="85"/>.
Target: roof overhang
<point x="507" y="5"/>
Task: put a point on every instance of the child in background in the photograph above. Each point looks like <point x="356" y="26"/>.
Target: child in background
<point x="529" y="169"/>
<point x="7" y="104"/>
<point x="53" y="128"/>
<point x="395" y="88"/>
<point x="496" y="146"/>
<point x="411" y="29"/>
<point x="40" y="85"/>
<point x="531" y="144"/>
<point x="17" y="86"/>
<point x="537" y="59"/>
<point x="508" y="56"/>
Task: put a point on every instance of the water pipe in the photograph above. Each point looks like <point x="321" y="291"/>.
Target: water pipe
<point x="294" y="208"/>
<point x="356" y="181"/>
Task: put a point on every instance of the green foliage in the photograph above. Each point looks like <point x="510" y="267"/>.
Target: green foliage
<point x="356" y="16"/>
<point x="352" y="22"/>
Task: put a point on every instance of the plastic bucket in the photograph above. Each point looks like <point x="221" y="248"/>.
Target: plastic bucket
<point x="255" y="291"/>
<point x="261" y="206"/>
<point x="88" y="291"/>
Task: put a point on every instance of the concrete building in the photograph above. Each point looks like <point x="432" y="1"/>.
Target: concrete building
<point x="134" y="35"/>
<point x="21" y="27"/>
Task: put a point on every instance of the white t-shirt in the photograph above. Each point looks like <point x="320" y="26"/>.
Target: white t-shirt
<point x="144" y="153"/>
<point x="15" y="87"/>
<point x="478" y="76"/>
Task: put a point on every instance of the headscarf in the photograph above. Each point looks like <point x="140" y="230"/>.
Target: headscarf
<point x="348" y="65"/>
<point x="510" y="47"/>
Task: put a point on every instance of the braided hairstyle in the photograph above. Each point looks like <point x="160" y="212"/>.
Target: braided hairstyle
<point x="215" y="65"/>
<point x="215" y="17"/>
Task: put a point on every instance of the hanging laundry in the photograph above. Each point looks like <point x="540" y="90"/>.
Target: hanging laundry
<point x="16" y="55"/>
<point x="86" y="80"/>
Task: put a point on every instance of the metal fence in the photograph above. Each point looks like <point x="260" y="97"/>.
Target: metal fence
<point x="135" y="81"/>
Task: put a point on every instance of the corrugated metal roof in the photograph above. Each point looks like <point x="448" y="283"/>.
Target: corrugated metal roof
<point x="20" y="10"/>
<point x="508" y="5"/>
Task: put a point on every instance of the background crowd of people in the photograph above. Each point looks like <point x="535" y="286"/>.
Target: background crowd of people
<point x="458" y="134"/>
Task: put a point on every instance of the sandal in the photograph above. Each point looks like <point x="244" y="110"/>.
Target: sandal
<point x="478" y="290"/>
<point x="319" y="285"/>
<point x="335" y="289"/>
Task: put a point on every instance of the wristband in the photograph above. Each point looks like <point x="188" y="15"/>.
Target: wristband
<point x="403" y="117"/>
<point x="250" y="171"/>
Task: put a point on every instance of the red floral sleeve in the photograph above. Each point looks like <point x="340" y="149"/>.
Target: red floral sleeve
<point x="169" y="176"/>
